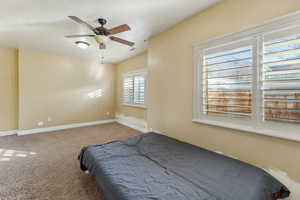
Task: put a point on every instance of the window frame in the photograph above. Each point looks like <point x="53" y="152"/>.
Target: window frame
<point x="142" y="72"/>
<point x="256" y="123"/>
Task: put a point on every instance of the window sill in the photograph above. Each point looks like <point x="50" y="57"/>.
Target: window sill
<point x="260" y="131"/>
<point x="136" y="106"/>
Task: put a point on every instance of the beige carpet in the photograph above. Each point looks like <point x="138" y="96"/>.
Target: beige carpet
<point x="45" y="166"/>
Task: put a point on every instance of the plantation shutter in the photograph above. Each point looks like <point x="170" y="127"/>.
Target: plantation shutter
<point x="281" y="77"/>
<point x="128" y="90"/>
<point x="227" y="81"/>
<point x="139" y="89"/>
<point x="250" y="80"/>
<point x="134" y="88"/>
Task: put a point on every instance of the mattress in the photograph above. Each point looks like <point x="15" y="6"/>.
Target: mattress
<point x="156" y="167"/>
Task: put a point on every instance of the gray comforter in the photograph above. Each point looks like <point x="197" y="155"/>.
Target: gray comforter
<point x="156" y="167"/>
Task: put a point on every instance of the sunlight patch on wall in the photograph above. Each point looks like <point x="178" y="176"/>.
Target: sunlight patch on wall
<point x="95" y="94"/>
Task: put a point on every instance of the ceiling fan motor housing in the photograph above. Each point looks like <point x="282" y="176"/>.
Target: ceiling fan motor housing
<point x="101" y="30"/>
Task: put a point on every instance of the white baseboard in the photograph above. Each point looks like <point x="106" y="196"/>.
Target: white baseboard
<point x="10" y="132"/>
<point x="63" y="127"/>
<point x="132" y="122"/>
<point x="129" y="122"/>
<point x="143" y="130"/>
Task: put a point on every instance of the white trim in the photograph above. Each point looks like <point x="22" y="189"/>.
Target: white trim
<point x="143" y="130"/>
<point x="267" y="132"/>
<point x="10" y="132"/>
<point x="63" y="127"/>
<point x="158" y="132"/>
<point x="134" y="105"/>
<point x="257" y="33"/>
<point x="132" y="122"/>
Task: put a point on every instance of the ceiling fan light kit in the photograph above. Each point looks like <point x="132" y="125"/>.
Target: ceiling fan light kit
<point x="82" y="44"/>
<point x="101" y="34"/>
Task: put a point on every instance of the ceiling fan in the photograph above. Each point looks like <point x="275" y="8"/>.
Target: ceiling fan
<point x="101" y="34"/>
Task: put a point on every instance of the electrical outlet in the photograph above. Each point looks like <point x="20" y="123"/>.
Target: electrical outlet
<point x="40" y="124"/>
<point x="49" y="119"/>
<point x="107" y="113"/>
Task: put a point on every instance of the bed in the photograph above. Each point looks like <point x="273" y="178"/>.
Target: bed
<point x="156" y="167"/>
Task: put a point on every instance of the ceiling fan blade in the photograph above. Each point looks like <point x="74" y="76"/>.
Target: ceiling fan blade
<point x="116" y="39"/>
<point x="80" y="21"/>
<point x="78" y="36"/>
<point x="119" y="29"/>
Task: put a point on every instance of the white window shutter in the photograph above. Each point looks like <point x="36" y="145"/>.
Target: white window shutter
<point x="139" y="89"/>
<point x="250" y="80"/>
<point x="227" y="81"/>
<point x="281" y="77"/>
<point x="134" y="88"/>
<point x="128" y="90"/>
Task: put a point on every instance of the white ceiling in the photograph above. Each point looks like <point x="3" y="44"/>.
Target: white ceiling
<point x="42" y="24"/>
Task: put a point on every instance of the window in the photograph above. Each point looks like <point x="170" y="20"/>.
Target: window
<point x="227" y="79"/>
<point x="251" y="80"/>
<point x="281" y="77"/>
<point x="134" y="88"/>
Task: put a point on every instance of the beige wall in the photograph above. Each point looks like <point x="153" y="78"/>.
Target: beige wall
<point x="132" y="64"/>
<point x="62" y="88"/>
<point x="58" y="87"/>
<point x="8" y="89"/>
<point x="170" y="85"/>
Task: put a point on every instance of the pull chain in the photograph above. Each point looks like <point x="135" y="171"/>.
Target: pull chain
<point x="102" y="57"/>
